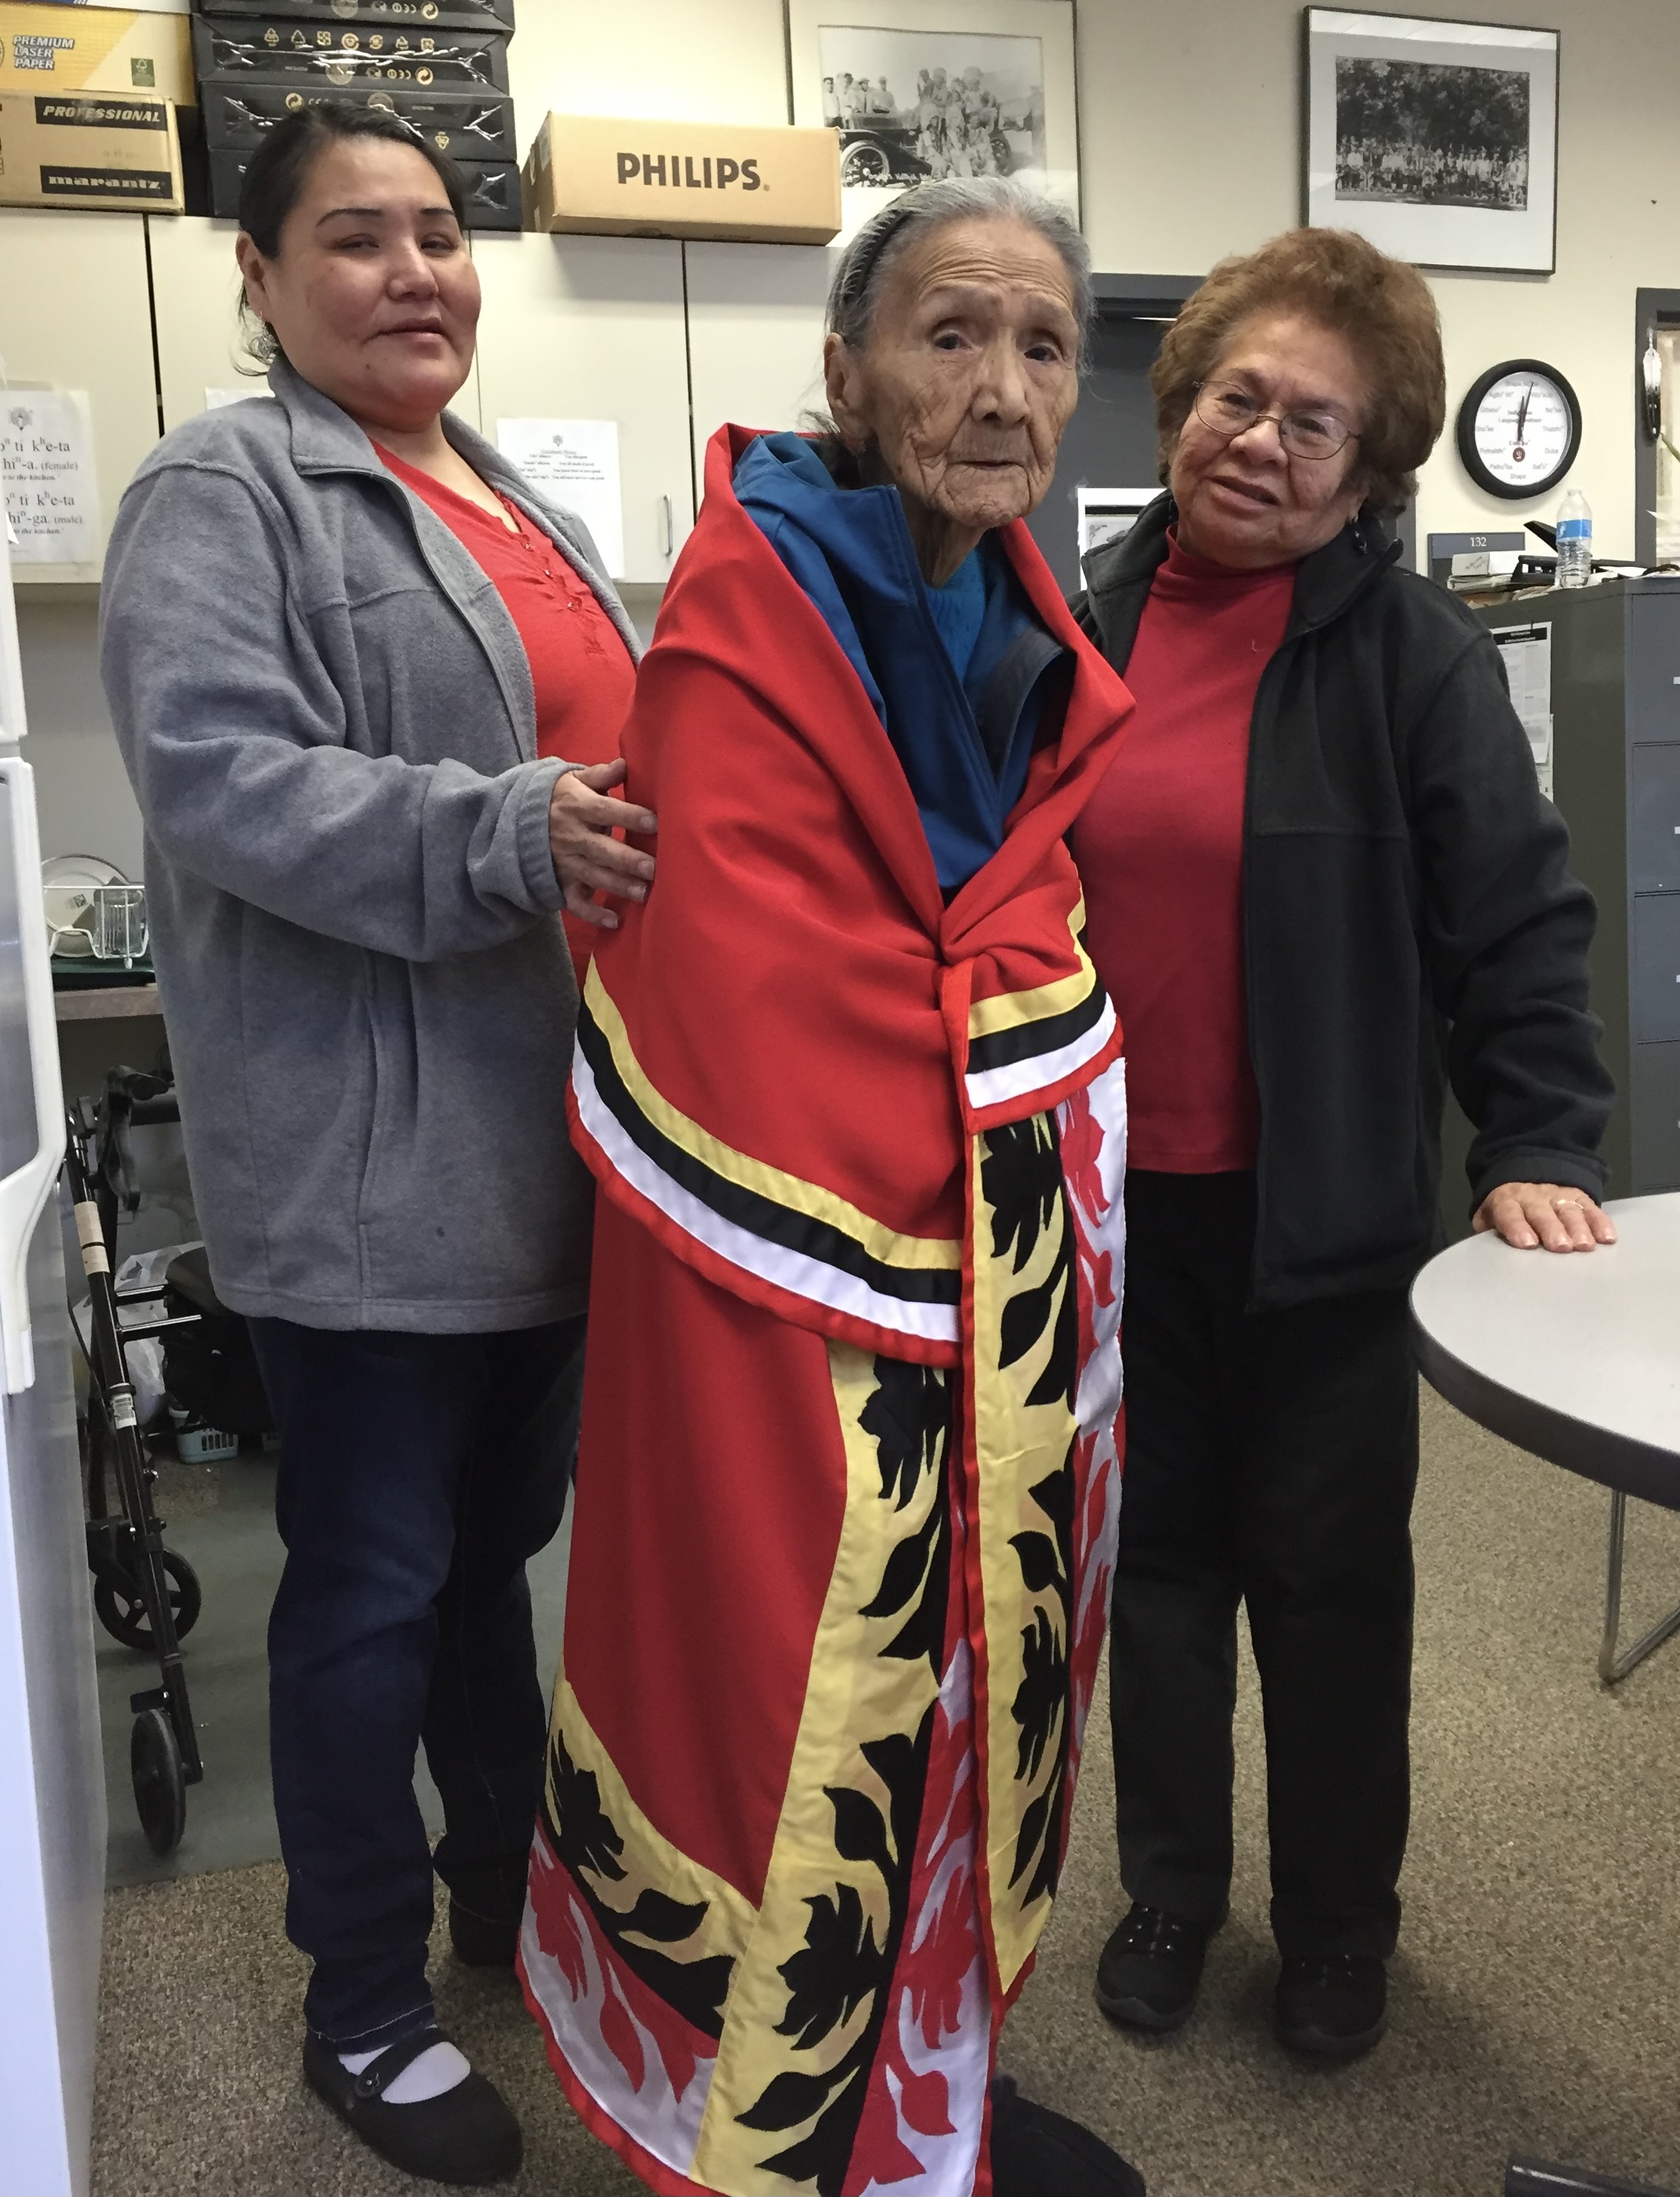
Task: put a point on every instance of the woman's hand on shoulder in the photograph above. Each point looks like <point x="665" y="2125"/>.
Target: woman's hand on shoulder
<point x="1528" y="1214"/>
<point x="582" y="817"/>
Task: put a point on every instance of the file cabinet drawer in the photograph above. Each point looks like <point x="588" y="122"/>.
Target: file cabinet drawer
<point x="1656" y="1118"/>
<point x="1653" y="820"/>
<point x="1656" y="969"/>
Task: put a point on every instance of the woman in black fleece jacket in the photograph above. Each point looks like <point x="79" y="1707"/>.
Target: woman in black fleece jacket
<point x="1322" y="882"/>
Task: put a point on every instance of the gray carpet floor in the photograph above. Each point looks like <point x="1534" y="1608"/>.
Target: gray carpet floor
<point x="1534" y="2001"/>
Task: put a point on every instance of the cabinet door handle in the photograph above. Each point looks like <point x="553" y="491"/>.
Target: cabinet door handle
<point x="671" y="524"/>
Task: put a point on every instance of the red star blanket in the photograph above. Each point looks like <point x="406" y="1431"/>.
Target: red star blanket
<point x="849" y="1477"/>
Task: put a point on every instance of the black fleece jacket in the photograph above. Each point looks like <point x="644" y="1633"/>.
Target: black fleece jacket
<point x="1408" y="911"/>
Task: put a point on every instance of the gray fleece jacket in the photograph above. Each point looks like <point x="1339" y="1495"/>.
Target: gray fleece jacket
<point x="328" y="720"/>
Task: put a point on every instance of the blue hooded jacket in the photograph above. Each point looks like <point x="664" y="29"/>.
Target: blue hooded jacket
<point x="957" y="675"/>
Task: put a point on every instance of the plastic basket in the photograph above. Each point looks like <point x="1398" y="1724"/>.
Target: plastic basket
<point x="201" y="1445"/>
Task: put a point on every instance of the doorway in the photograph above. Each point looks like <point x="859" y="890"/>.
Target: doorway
<point x="1110" y="440"/>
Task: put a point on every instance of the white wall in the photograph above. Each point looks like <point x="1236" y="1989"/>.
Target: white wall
<point x="692" y="60"/>
<point x="1190" y="114"/>
<point x="1190" y="122"/>
<point x="81" y="790"/>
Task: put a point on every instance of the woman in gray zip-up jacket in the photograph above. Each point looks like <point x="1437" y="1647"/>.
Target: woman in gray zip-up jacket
<point x="356" y="860"/>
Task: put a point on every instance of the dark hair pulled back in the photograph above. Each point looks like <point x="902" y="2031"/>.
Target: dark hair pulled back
<point x="274" y="182"/>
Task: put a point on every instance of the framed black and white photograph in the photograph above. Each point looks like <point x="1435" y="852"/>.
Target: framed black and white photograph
<point x="1438" y="140"/>
<point x="934" y="88"/>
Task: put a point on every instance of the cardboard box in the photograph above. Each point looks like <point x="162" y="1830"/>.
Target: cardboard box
<point x="90" y="149"/>
<point x="632" y="178"/>
<point x="470" y="125"/>
<point x="335" y="54"/>
<point x="408" y="14"/>
<point x="45" y="48"/>
<point x="141" y="7"/>
<point x="492" y="190"/>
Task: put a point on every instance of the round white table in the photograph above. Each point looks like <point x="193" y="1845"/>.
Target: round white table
<point x="1576" y="1357"/>
<point x="1573" y="1357"/>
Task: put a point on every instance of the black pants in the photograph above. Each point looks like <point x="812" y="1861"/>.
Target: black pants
<point x="1270" y="1458"/>
<point x="417" y="1475"/>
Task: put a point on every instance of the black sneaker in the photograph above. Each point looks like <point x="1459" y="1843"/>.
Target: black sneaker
<point x="1152" y="1968"/>
<point x="1333" y="2009"/>
<point x="465" y="2135"/>
<point x="1035" y="2152"/>
<point x="483" y="1941"/>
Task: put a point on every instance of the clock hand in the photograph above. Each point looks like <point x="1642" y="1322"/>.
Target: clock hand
<point x="1522" y="410"/>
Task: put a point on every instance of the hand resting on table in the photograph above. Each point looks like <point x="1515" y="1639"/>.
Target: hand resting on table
<point x="1531" y="1213"/>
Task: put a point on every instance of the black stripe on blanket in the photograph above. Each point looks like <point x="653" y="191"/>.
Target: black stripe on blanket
<point x="760" y="1216"/>
<point x="1026" y="1041"/>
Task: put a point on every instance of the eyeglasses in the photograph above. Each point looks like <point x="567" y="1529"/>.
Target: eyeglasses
<point x="1230" y="411"/>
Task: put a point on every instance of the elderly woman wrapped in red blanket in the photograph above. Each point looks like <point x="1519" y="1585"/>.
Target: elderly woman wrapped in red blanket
<point x="853" y="1095"/>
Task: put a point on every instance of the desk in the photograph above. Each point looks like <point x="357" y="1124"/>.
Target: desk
<point x="1576" y="1357"/>
<point x="104" y="1003"/>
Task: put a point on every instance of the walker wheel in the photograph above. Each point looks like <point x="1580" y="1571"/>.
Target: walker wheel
<point x="160" y="1783"/>
<point x="118" y="1604"/>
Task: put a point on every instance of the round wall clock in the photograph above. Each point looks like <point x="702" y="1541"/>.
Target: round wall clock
<point x="1519" y="429"/>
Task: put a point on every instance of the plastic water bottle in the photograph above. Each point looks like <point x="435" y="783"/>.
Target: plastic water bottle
<point x="1574" y="541"/>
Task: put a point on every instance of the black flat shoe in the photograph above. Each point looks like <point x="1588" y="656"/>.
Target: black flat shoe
<point x="481" y="1941"/>
<point x="1333" y="2009"/>
<point x="1151" y="1969"/>
<point x="465" y="2135"/>
<point x="1038" y="2154"/>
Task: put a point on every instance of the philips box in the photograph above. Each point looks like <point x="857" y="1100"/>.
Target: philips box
<point x="634" y="178"/>
<point x="92" y="149"/>
<point x="46" y="47"/>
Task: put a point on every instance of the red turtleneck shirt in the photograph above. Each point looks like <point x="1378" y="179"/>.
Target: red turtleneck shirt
<point x="1159" y="849"/>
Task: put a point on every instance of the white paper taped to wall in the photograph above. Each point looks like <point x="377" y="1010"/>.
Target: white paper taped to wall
<point x="1525" y="652"/>
<point x="46" y="461"/>
<point x="575" y="464"/>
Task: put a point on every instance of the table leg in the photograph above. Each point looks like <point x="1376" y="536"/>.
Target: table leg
<point x="1537" y="2177"/>
<point x="1613" y="1668"/>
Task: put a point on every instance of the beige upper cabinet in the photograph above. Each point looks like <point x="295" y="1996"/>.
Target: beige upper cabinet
<point x="591" y="327"/>
<point x="754" y="335"/>
<point x="196" y="288"/>
<point x="74" y="314"/>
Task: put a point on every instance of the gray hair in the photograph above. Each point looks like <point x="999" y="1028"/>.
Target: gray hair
<point x="870" y="256"/>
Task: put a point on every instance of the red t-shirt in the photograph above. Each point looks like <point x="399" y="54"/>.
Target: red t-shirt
<point x="580" y="668"/>
<point x="1159" y="849"/>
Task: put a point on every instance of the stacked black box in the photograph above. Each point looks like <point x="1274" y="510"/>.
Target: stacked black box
<point x="442" y="65"/>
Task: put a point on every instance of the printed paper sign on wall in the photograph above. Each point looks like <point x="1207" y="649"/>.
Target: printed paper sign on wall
<point x="46" y="462"/>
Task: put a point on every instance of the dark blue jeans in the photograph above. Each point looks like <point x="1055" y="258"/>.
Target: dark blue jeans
<point x="418" y="1473"/>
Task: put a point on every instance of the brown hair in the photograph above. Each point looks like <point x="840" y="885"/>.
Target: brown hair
<point x="1381" y="305"/>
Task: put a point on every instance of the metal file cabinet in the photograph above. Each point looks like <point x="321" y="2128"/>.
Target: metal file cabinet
<point x="1615" y="681"/>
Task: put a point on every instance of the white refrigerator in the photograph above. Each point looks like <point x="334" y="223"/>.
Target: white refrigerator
<point x="52" y="1792"/>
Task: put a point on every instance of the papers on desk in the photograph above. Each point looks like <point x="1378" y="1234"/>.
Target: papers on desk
<point x="575" y="464"/>
<point x="1527" y="654"/>
<point x="46" y="462"/>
